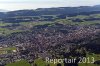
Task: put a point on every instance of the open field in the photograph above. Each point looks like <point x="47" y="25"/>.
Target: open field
<point x="7" y="50"/>
<point x="40" y="62"/>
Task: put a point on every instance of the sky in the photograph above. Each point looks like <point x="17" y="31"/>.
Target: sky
<point x="33" y="4"/>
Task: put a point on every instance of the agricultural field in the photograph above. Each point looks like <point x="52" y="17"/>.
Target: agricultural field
<point x="7" y="50"/>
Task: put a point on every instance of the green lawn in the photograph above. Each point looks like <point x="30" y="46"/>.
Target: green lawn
<point x="19" y="63"/>
<point x="7" y="50"/>
<point x="4" y="24"/>
<point x="40" y="62"/>
<point x="10" y="48"/>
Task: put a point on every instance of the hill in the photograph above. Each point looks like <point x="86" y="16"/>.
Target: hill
<point x="47" y="14"/>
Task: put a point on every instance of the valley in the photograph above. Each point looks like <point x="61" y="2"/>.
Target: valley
<point x="27" y="39"/>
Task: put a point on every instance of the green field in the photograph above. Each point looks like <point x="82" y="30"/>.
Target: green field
<point x="4" y="24"/>
<point x="19" y="63"/>
<point x="40" y="62"/>
<point x="7" y="50"/>
<point x="29" y="25"/>
<point x="85" y="23"/>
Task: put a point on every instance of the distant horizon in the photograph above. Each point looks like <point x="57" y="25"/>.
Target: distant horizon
<point x="12" y="5"/>
<point x="44" y="8"/>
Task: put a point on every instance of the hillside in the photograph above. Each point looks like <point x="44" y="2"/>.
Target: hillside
<point x="47" y="14"/>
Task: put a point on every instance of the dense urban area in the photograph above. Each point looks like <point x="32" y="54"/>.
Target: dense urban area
<point x="27" y="37"/>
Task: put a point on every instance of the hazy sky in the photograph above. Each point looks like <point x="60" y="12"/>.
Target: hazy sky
<point x="33" y="4"/>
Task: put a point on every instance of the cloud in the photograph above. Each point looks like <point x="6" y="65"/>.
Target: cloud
<point x="33" y="4"/>
<point x="18" y="6"/>
<point x="28" y="1"/>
